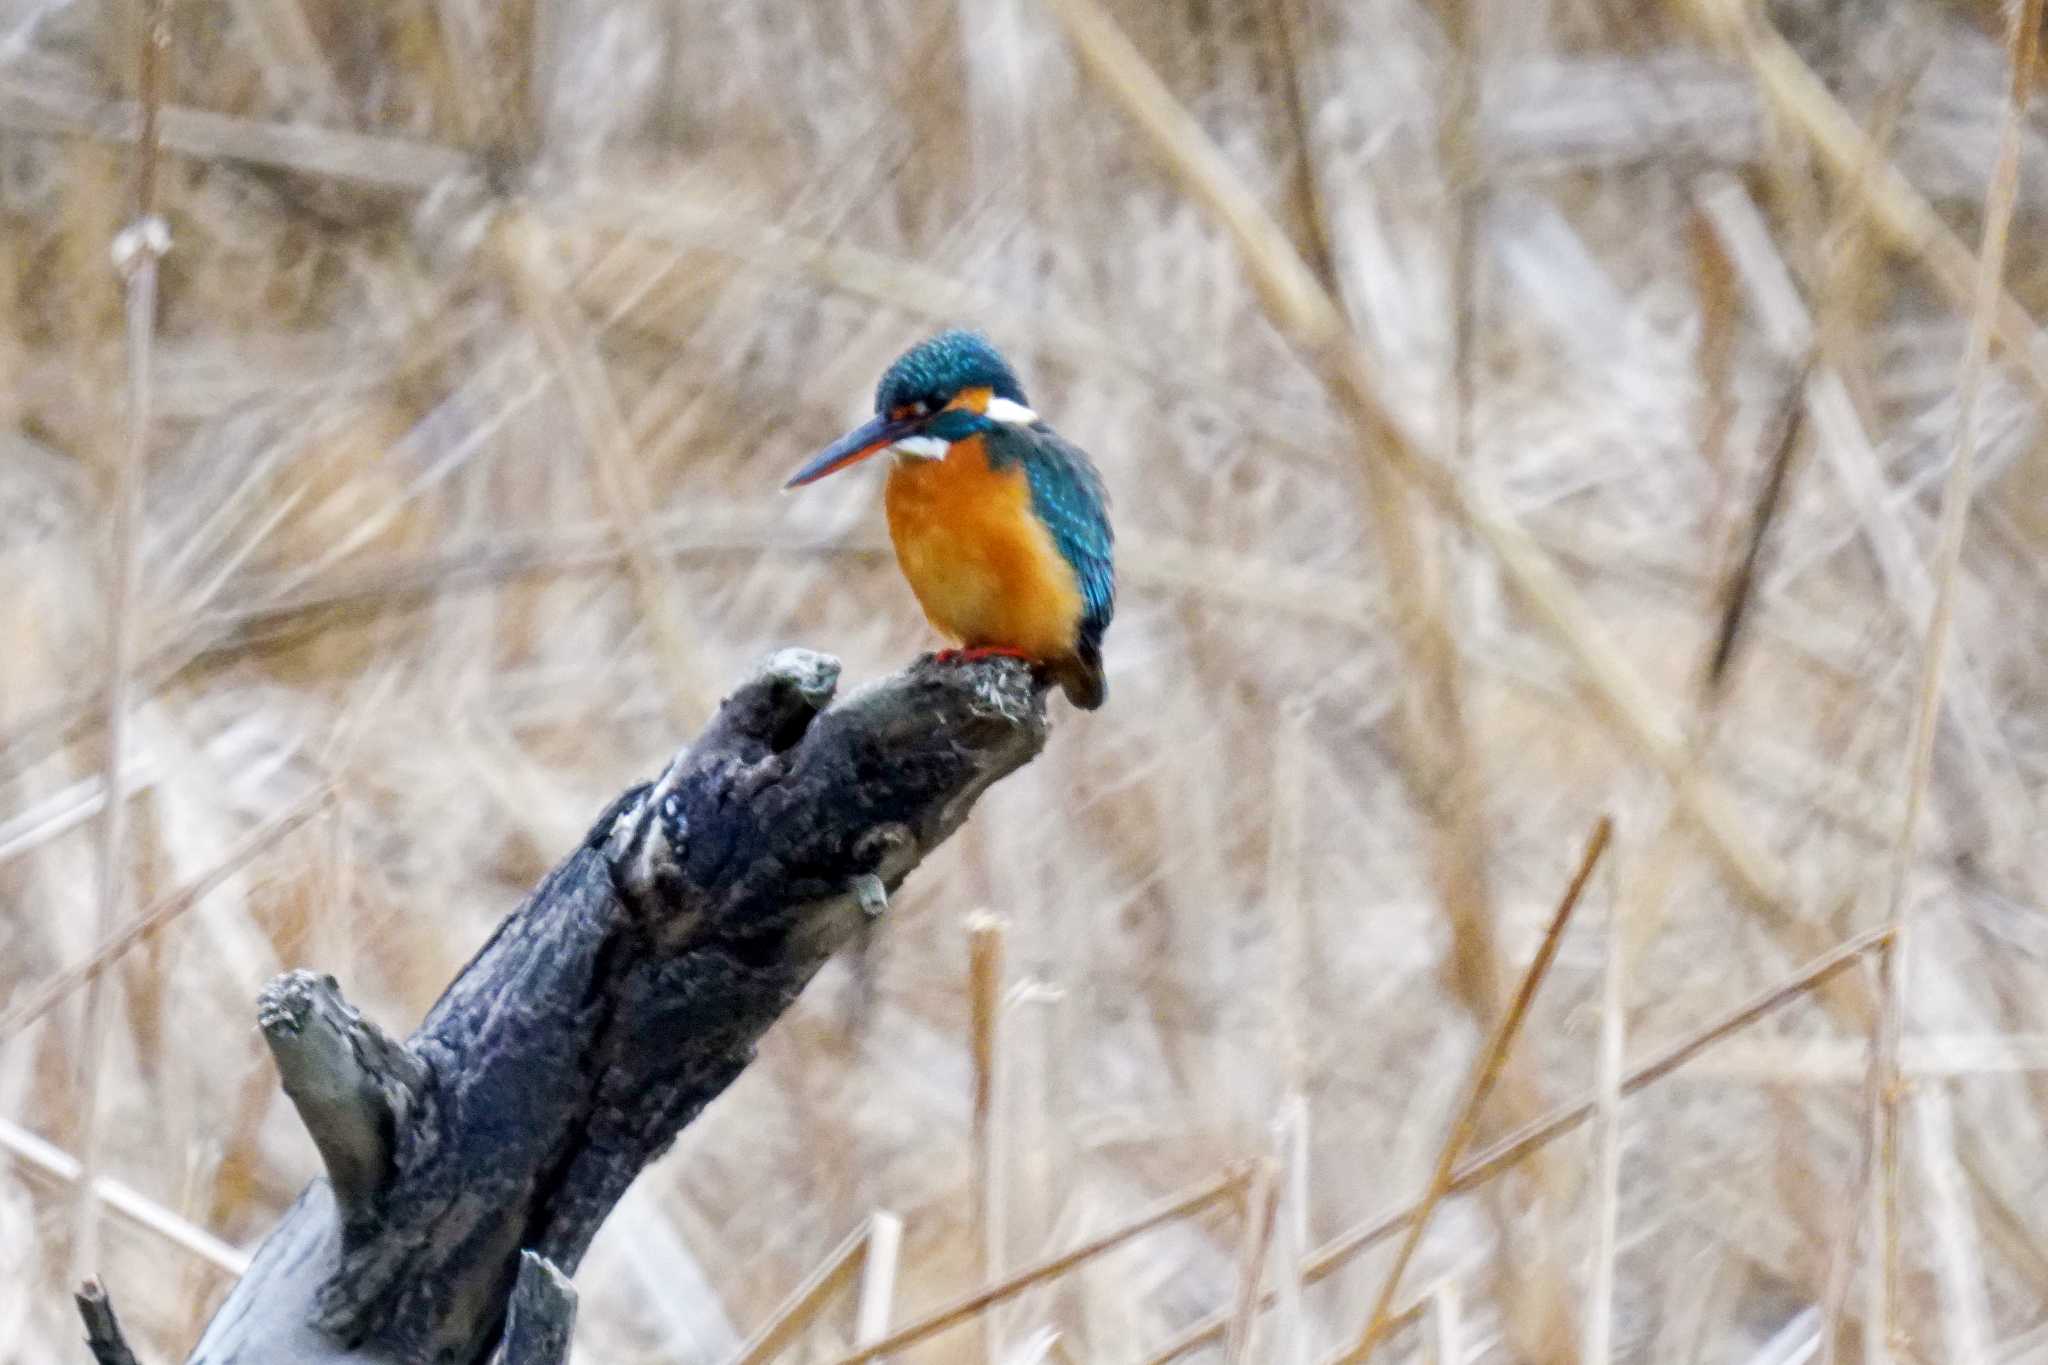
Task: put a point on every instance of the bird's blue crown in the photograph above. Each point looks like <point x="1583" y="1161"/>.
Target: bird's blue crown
<point x="931" y="372"/>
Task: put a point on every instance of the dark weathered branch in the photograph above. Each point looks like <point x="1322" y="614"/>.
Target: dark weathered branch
<point x="541" y="1316"/>
<point x="102" y="1329"/>
<point x="625" y="994"/>
<point x="351" y="1083"/>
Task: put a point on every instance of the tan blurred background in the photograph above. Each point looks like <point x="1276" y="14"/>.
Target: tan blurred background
<point x="486" y="337"/>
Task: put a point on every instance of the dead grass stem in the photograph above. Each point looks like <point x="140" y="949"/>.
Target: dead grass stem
<point x="1894" y="962"/>
<point x="868" y="1249"/>
<point x="1339" y="1251"/>
<point x="985" y="995"/>
<point x="1598" y="1345"/>
<point x="1485" y="1073"/>
<point x="1431" y="354"/>
<point x="137" y="251"/>
<point x="1907" y="220"/>
<point x="1228" y="1186"/>
<point x="1311" y="320"/>
<point x="36" y="1003"/>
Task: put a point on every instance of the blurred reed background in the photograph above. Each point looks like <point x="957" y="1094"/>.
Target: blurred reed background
<point x="485" y="338"/>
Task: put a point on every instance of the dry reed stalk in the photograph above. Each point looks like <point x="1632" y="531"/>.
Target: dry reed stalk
<point x="1809" y="978"/>
<point x="1850" y="261"/>
<point x="1485" y="1073"/>
<point x="123" y="1199"/>
<point x="985" y="936"/>
<point x="1446" y="1325"/>
<point x="2006" y="1228"/>
<point x="1739" y="589"/>
<point x="473" y="79"/>
<point x="1792" y="1344"/>
<point x="1224" y="1187"/>
<point x="1259" y="1209"/>
<point x="264" y="606"/>
<point x="870" y="1250"/>
<point x="1308" y="317"/>
<point x="294" y="71"/>
<point x="1959" y="1266"/>
<point x="1286" y="907"/>
<point x="1290" y="1145"/>
<point x="58" y="814"/>
<point x="1452" y="788"/>
<point x="1839" y="1061"/>
<point x="74" y="718"/>
<point x="1834" y="1301"/>
<point x="1283" y="23"/>
<point x="1657" y="864"/>
<point x="1599" y="1324"/>
<point x="1907" y="220"/>
<point x="1659" y="860"/>
<point x="631" y="375"/>
<point x="1844" y="443"/>
<point x="802" y="1306"/>
<point x="1338" y="1252"/>
<point x="270" y="607"/>
<point x="372" y="160"/>
<point x="1698" y="1298"/>
<point x="879" y="1263"/>
<point x="137" y="250"/>
<point x="1877" y="1339"/>
<point x="923" y="292"/>
<point x="1894" y="962"/>
<point x="39" y="1001"/>
<point x="1437" y="740"/>
<point x="1410" y="1314"/>
<point x="1714" y="285"/>
<point x="525" y="248"/>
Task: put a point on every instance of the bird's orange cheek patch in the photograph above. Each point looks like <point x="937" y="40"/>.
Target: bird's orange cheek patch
<point x="972" y="400"/>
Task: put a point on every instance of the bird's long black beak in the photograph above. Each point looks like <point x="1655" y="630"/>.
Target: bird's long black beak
<point x="855" y="446"/>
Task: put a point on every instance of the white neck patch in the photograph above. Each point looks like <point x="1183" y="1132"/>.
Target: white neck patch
<point x="1010" y="413"/>
<point x="922" y="448"/>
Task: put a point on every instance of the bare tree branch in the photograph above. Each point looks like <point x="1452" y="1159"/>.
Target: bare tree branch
<point x="470" y="1166"/>
<point x="351" y="1083"/>
<point x="541" y="1316"/>
<point x="102" y="1329"/>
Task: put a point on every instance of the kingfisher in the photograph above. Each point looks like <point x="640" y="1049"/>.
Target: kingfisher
<point x="1000" y="524"/>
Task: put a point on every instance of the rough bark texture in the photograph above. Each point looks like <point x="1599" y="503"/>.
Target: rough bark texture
<point x="354" y="1087"/>
<point x="102" y="1329"/>
<point x="541" y="1316"/>
<point x="626" y="993"/>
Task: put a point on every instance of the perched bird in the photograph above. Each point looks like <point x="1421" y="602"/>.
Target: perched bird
<point x="1001" y="526"/>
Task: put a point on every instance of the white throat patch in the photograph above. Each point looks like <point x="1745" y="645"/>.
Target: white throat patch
<point x="1009" y="413"/>
<point x="921" y="448"/>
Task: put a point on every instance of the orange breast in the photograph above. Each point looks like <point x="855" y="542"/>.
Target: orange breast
<point x="983" y="567"/>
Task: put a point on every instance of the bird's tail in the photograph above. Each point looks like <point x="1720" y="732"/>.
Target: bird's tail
<point x="1081" y="677"/>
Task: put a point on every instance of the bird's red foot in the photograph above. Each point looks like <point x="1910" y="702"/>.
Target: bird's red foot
<point x="964" y="656"/>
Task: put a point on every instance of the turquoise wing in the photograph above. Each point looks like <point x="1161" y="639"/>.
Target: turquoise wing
<point x="1068" y="496"/>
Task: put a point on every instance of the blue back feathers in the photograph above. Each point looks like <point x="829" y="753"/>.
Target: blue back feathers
<point x="931" y="372"/>
<point x="1068" y="496"/>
